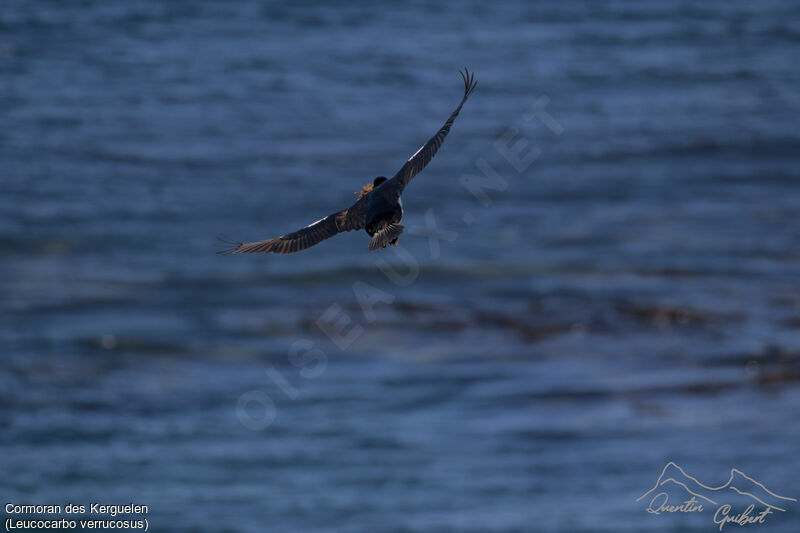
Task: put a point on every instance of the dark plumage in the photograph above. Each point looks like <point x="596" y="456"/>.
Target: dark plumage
<point x="378" y="209"/>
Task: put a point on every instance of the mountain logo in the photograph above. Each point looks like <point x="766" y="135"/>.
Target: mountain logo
<point x="741" y="500"/>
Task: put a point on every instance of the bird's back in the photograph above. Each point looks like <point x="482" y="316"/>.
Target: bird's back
<point x="383" y="204"/>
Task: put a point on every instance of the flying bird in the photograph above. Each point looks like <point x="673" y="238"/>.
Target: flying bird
<point x="378" y="209"/>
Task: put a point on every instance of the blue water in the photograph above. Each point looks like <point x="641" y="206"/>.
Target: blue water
<point x="627" y="295"/>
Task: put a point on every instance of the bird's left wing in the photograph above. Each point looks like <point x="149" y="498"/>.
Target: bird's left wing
<point x="348" y="219"/>
<point x="423" y="156"/>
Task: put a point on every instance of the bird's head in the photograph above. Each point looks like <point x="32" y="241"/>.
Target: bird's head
<point x="377" y="181"/>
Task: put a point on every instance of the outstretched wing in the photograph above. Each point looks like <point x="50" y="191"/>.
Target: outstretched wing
<point x="423" y="156"/>
<point x="348" y="219"/>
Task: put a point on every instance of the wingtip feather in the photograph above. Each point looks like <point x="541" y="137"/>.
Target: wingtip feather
<point x="235" y="245"/>
<point x="469" y="81"/>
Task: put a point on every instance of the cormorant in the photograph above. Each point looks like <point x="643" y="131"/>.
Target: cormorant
<point x="378" y="209"/>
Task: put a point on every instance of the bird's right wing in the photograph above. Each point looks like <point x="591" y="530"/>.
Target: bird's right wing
<point x="352" y="218"/>
<point x="423" y="156"/>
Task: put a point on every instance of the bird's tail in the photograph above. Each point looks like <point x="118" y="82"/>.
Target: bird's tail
<point x="385" y="236"/>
